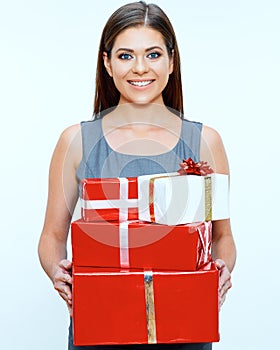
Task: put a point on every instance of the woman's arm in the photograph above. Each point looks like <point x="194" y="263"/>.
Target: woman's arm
<point x="223" y="248"/>
<point x="62" y="198"/>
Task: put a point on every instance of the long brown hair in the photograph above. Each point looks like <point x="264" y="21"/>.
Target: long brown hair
<point x="133" y="15"/>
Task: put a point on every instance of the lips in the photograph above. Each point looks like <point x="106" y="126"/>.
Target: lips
<point x="140" y="83"/>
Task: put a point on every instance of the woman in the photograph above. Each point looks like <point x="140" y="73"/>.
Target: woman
<point x="138" y="128"/>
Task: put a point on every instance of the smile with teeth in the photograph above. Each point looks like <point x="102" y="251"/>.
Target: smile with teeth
<point x="140" y="83"/>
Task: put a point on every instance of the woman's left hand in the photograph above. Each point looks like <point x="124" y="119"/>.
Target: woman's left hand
<point x="224" y="280"/>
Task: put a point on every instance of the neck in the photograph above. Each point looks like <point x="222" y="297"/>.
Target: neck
<point x="132" y="113"/>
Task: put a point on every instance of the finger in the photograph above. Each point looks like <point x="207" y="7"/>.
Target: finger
<point x="63" y="295"/>
<point x="225" y="281"/>
<point x="221" y="302"/>
<point x="225" y="288"/>
<point x="63" y="288"/>
<point x="224" y="277"/>
<point x="66" y="278"/>
<point x="68" y="300"/>
<point x="65" y="292"/>
<point x="222" y="297"/>
<point x="225" y="285"/>
<point x="62" y="276"/>
<point x="219" y="263"/>
<point x="65" y="264"/>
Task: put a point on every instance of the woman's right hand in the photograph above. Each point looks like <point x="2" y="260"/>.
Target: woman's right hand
<point x="62" y="282"/>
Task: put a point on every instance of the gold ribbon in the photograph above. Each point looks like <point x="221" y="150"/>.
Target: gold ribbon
<point x="208" y="197"/>
<point x="150" y="307"/>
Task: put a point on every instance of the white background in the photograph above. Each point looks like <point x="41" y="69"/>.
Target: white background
<point x="230" y="64"/>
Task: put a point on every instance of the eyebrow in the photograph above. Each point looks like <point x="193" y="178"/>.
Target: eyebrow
<point x="148" y="49"/>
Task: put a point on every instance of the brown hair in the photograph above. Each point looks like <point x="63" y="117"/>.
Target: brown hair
<point x="133" y="15"/>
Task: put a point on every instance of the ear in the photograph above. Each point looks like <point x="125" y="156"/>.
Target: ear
<point x="171" y="63"/>
<point x="107" y="63"/>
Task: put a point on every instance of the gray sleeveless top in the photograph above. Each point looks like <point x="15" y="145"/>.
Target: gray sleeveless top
<point x="100" y="160"/>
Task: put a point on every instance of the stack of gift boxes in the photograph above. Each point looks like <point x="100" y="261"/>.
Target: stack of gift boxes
<point x="142" y="268"/>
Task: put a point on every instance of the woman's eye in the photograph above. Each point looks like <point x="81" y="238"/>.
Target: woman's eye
<point x="154" y="55"/>
<point x="125" y="56"/>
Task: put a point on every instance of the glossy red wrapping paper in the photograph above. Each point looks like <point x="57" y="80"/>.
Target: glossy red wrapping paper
<point x="141" y="245"/>
<point x="109" y="199"/>
<point x="110" y="307"/>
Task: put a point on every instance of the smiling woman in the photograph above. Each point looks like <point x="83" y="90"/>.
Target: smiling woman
<point x="138" y="128"/>
<point x="148" y="18"/>
<point x="140" y="65"/>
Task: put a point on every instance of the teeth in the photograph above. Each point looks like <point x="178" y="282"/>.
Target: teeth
<point x="140" y="83"/>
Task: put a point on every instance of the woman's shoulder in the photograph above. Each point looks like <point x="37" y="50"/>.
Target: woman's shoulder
<point x="83" y="133"/>
<point x="70" y="144"/>
<point x="73" y="130"/>
<point x="212" y="149"/>
<point x="210" y="135"/>
<point x="70" y="133"/>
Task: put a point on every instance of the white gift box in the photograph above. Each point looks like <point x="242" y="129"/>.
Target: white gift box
<point x="173" y="199"/>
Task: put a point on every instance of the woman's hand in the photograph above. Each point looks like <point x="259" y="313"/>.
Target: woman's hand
<point x="224" y="280"/>
<point x="62" y="282"/>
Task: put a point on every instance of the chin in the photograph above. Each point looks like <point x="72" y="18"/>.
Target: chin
<point x="146" y="101"/>
<point x="142" y="100"/>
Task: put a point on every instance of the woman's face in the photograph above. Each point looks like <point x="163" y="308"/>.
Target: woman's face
<point x="139" y="65"/>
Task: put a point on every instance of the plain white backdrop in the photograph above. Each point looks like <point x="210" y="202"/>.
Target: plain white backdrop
<point x="230" y="64"/>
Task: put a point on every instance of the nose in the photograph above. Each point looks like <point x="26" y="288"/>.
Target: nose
<point x="140" y="66"/>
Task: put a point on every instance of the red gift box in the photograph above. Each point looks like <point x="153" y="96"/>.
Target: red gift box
<point x="137" y="244"/>
<point x="141" y="307"/>
<point x="109" y="199"/>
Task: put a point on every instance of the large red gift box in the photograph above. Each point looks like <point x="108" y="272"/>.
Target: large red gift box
<point x="109" y="199"/>
<point x="118" y="307"/>
<point x="137" y="244"/>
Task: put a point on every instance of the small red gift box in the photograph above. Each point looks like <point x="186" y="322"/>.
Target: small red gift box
<point x="136" y="244"/>
<point x="141" y="307"/>
<point x="109" y="199"/>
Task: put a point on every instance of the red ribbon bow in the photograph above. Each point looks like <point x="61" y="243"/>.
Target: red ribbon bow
<point x="189" y="167"/>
